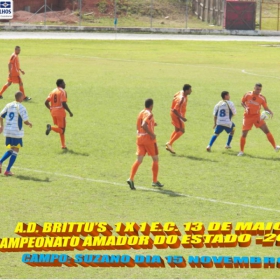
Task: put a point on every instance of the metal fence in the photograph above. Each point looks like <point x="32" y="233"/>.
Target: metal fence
<point x="210" y="11"/>
<point x="270" y="15"/>
<point x="108" y="13"/>
<point x="137" y="13"/>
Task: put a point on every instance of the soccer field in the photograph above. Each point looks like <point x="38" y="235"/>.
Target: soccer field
<point x="107" y="83"/>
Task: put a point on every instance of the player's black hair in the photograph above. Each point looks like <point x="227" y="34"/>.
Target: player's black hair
<point x="18" y="95"/>
<point x="186" y="87"/>
<point x="17" y="47"/>
<point x="149" y="102"/>
<point x="224" y="93"/>
<point x="258" y="85"/>
<point x="59" y="82"/>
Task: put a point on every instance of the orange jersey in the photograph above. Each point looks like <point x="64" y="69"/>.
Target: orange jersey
<point x="14" y="61"/>
<point x="253" y="102"/>
<point x="145" y="116"/>
<point x="179" y="103"/>
<point x="56" y="97"/>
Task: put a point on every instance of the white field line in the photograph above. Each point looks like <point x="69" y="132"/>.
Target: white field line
<point x="146" y="61"/>
<point x="150" y="189"/>
<point x="170" y="63"/>
<point x="248" y="73"/>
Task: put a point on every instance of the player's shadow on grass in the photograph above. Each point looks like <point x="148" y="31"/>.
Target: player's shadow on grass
<point x="266" y="158"/>
<point x="30" y="178"/>
<point x="196" y="158"/>
<point x="69" y="151"/>
<point x="232" y="153"/>
<point x="161" y="191"/>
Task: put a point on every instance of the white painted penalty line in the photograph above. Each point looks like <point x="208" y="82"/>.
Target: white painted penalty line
<point x="150" y="189"/>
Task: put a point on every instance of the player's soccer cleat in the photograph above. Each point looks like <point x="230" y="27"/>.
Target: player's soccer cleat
<point x="157" y="184"/>
<point x="277" y="148"/>
<point x="131" y="184"/>
<point x="208" y="149"/>
<point x="227" y="147"/>
<point x="48" y="130"/>
<point x="1" y="97"/>
<point x="8" y="173"/>
<point x="240" y="154"/>
<point x="64" y="147"/>
<point x="169" y="148"/>
<point x="27" y="98"/>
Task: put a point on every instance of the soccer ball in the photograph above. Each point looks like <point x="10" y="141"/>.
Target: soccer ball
<point x="265" y="115"/>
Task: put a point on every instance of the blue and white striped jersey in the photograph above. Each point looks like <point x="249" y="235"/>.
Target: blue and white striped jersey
<point x="15" y="114"/>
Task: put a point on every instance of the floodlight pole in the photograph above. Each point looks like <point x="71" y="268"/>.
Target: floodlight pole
<point x="45" y="11"/>
<point x="186" y="13"/>
<point x="115" y="9"/>
<point x="115" y="16"/>
<point x="260" y="15"/>
<point x="224" y="14"/>
<point x="80" y="13"/>
<point x="151" y="13"/>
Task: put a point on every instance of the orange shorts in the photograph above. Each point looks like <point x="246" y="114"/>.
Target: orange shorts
<point x="14" y="79"/>
<point x="150" y="148"/>
<point x="249" y="121"/>
<point x="59" y="121"/>
<point x="177" y="122"/>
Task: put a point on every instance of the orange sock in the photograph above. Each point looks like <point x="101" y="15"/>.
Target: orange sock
<point x="155" y="170"/>
<point x="271" y="139"/>
<point x="3" y="89"/>
<point x="22" y="90"/>
<point x="62" y="139"/>
<point x="173" y="133"/>
<point x="134" y="169"/>
<point x="175" y="137"/>
<point x="57" y="129"/>
<point x="242" y="143"/>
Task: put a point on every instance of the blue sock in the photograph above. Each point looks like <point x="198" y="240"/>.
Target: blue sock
<point x="213" y="139"/>
<point x="229" y="139"/>
<point x="12" y="161"/>
<point x="6" y="155"/>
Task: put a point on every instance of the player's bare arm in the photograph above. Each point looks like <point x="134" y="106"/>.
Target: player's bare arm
<point x="267" y="109"/>
<point x="145" y="127"/>
<point x="215" y="121"/>
<point x="178" y="115"/>
<point x="245" y="107"/>
<point x="28" y="123"/>
<point x="47" y="104"/>
<point x="65" y="106"/>
<point x="10" y="69"/>
<point x="22" y="72"/>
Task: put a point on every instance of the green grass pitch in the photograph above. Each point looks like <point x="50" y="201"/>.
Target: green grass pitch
<point x="107" y="83"/>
